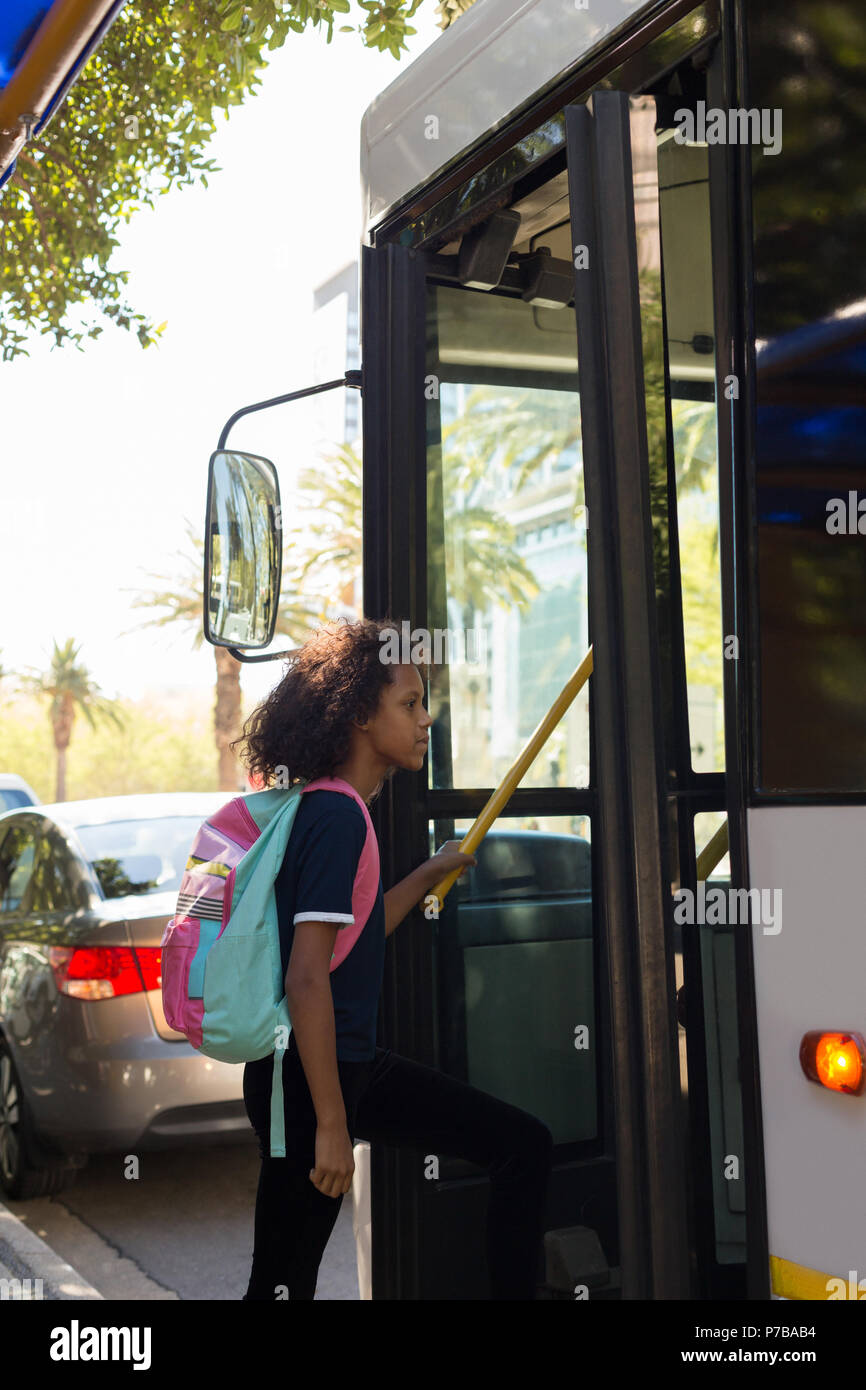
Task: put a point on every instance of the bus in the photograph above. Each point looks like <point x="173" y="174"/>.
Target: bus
<point x="613" y="345"/>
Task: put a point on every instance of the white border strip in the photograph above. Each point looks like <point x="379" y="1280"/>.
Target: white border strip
<point x="346" y="918"/>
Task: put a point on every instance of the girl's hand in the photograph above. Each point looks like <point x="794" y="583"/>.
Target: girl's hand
<point x="335" y="1161"/>
<point x="447" y="858"/>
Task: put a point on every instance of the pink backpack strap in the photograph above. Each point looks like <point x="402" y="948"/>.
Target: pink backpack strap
<point x="366" y="885"/>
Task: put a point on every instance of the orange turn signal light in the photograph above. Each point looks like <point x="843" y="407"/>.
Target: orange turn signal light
<point x="835" y="1060"/>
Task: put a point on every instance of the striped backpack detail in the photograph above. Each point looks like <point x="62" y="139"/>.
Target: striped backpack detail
<point x="222" y="976"/>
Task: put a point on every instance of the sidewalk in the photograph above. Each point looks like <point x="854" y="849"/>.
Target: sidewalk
<point x="24" y="1257"/>
<point x="124" y="1267"/>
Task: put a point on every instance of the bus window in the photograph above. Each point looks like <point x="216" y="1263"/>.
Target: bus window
<point x="684" y="211"/>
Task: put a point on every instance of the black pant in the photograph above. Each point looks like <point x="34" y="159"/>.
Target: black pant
<point x="400" y="1102"/>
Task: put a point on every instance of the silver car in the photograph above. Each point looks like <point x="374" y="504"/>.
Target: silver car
<point x="87" y="1061"/>
<point x="15" y="792"/>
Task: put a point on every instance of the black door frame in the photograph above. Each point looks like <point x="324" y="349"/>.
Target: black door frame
<point x="638" y="912"/>
<point x="392" y="326"/>
<point x="653" y="1248"/>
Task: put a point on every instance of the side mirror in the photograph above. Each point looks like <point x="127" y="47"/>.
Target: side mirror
<point x="243" y="550"/>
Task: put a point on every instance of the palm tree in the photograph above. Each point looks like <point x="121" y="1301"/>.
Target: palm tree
<point x="325" y="554"/>
<point x="525" y="428"/>
<point x="181" y="598"/>
<point x="70" y="688"/>
<point x="519" y="429"/>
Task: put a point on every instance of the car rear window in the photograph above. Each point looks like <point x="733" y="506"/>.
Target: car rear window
<point x="13" y="797"/>
<point x="139" y="856"/>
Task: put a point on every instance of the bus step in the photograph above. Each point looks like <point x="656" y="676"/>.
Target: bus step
<point x="576" y="1266"/>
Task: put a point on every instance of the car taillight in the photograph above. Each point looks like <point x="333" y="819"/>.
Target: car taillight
<point x="104" y="972"/>
<point x="150" y="964"/>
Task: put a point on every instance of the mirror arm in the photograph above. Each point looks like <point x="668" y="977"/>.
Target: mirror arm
<point x="352" y="378"/>
<point x="240" y="655"/>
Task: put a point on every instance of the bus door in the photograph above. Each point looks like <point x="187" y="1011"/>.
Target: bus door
<point x="521" y="438"/>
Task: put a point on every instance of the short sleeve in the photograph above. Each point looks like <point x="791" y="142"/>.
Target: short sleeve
<point x="327" y="864"/>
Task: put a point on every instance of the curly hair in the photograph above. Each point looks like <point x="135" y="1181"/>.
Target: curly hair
<point x="303" y="728"/>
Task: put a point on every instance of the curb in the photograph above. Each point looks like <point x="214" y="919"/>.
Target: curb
<point x="24" y="1256"/>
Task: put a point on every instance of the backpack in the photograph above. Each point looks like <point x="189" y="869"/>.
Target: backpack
<point x="222" y="976"/>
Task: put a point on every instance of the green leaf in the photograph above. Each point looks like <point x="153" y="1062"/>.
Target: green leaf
<point x="175" y="67"/>
<point x="233" y="20"/>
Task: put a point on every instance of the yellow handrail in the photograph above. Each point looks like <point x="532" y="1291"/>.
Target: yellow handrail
<point x="713" y="851"/>
<point x="491" y="810"/>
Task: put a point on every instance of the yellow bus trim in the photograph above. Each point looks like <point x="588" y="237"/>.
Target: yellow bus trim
<point x="790" y="1280"/>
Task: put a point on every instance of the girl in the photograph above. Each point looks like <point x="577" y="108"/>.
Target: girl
<point x="342" y="713"/>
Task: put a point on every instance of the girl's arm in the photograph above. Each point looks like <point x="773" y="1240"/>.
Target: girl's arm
<point x="311" y="1009"/>
<point x="400" y="899"/>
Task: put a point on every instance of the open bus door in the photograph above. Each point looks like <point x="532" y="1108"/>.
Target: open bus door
<point x="592" y="358"/>
<point x="543" y="960"/>
<point x="549" y="978"/>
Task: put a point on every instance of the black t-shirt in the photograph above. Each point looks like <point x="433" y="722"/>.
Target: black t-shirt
<point x="315" y="883"/>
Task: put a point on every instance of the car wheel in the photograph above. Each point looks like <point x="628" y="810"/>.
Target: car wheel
<point x="26" y="1169"/>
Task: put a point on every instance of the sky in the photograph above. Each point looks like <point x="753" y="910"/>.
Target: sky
<point x="105" y="451"/>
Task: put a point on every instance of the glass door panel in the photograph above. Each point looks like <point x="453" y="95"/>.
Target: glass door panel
<point x="672" y="226"/>
<point x="506" y="540"/>
<point x="515" y="968"/>
<point x="725" y="1106"/>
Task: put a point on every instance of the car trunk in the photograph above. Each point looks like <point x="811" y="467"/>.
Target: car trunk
<point x="147" y="929"/>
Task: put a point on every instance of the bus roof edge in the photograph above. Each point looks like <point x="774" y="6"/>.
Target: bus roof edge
<point x="432" y="112"/>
